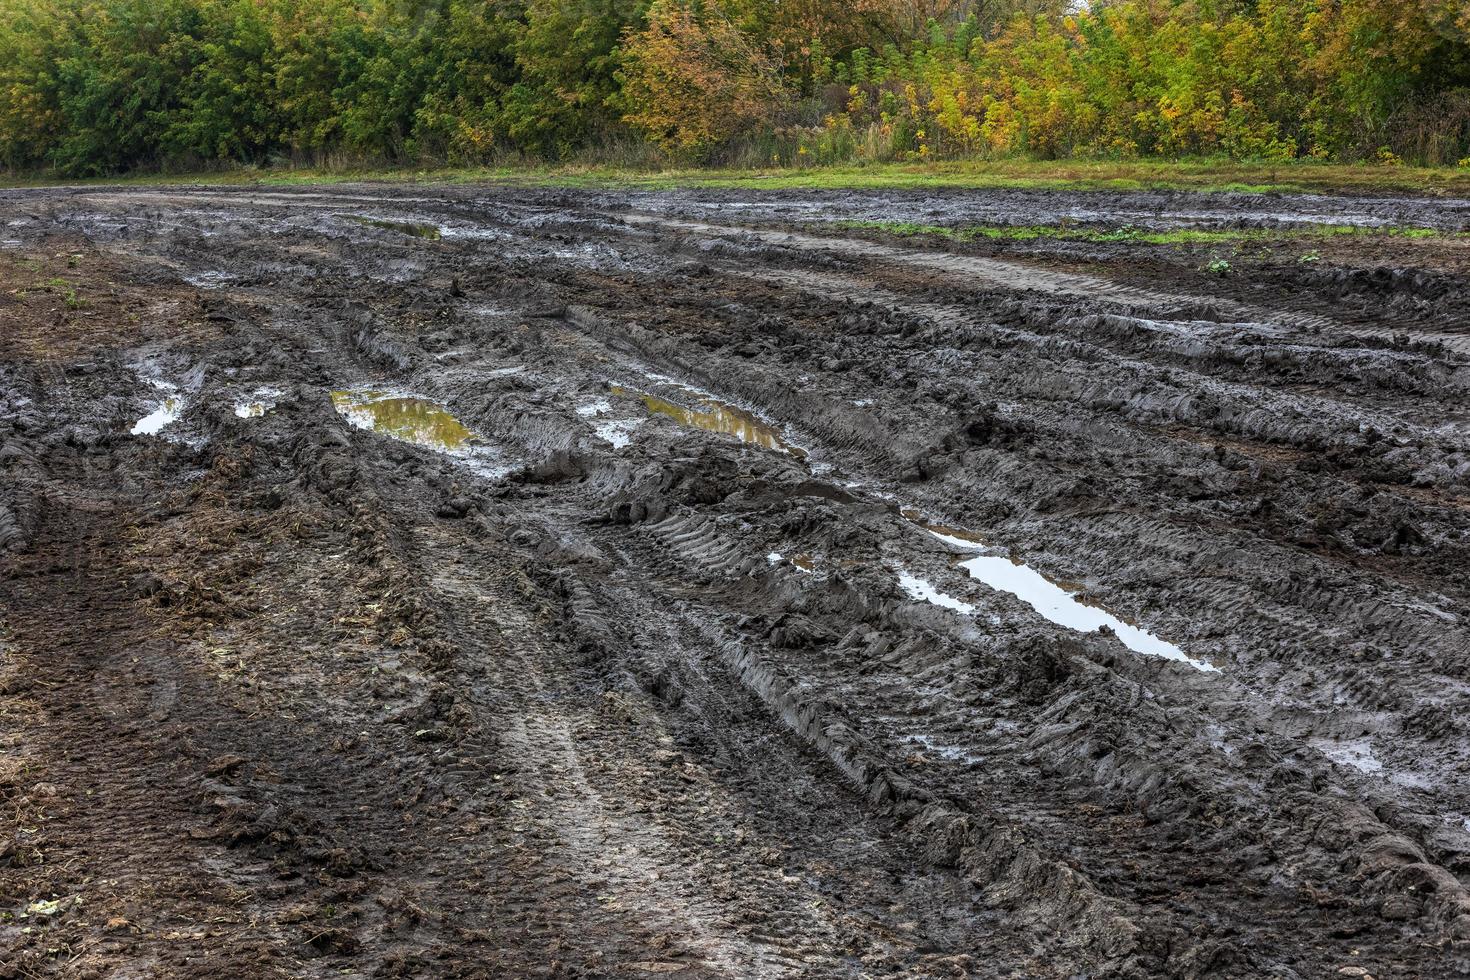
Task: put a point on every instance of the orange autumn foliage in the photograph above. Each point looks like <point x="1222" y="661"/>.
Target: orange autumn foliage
<point x="691" y="79"/>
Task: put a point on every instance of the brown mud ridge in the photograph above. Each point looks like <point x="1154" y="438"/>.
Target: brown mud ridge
<point x="472" y="582"/>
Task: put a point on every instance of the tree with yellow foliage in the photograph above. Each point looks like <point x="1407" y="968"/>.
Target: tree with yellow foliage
<point x="691" y="79"/>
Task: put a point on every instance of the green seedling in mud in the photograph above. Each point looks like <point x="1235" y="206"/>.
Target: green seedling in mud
<point x="1127" y="233"/>
<point x="1218" y="267"/>
<point x="1310" y="257"/>
<point x="68" y="293"/>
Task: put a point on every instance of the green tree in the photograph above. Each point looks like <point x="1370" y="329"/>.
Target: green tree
<point x="567" y="57"/>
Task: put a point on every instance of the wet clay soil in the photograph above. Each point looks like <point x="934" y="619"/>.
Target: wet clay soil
<point x="531" y="583"/>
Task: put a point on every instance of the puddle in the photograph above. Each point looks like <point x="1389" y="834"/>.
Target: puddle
<point x="618" y="432"/>
<point x="261" y="402"/>
<point x="491" y="309"/>
<point x="165" y="412"/>
<point x="950" y="535"/>
<point x="950" y="753"/>
<point x="474" y="233"/>
<point x="802" y="563"/>
<point x="1064" y="609"/>
<point x="713" y="415"/>
<point x="210" y="279"/>
<point x="921" y="591"/>
<point x="1356" y="753"/>
<point x="1049" y="598"/>
<point x="416" y="420"/>
<point x="431" y="232"/>
<point x="1216" y="735"/>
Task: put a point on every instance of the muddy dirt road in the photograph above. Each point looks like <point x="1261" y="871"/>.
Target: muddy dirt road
<point x="466" y="582"/>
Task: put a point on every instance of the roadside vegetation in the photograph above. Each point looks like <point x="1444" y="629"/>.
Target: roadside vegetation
<point x="102" y="87"/>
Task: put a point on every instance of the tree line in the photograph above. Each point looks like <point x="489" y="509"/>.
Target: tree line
<point x="91" y="87"/>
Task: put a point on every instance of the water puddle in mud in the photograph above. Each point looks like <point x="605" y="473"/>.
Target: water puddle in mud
<point x="412" y="419"/>
<point x="474" y="233"/>
<point x="1353" y="753"/>
<point x="210" y="279"/>
<point x="921" y="591"/>
<point x="618" y="432"/>
<point x="166" y="411"/>
<point x="950" y="535"/>
<point x="1054" y="602"/>
<point x="1064" y="609"/>
<point x="431" y="232"/>
<point x="258" y="404"/>
<point x="713" y="415"/>
<point x="951" y="753"/>
<point x="802" y="563"/>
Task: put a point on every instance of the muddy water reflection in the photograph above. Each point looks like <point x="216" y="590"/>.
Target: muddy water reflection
<point x="802" y="563"/>
<point x="617" y="432"/>
<point x="920" y="590"/>
<point x="258" y="404"/>
<point x="1063" y="608"/>
<point x="415" y="420"/>
<point x="713" y="415"/>
<point x="1051" y="599"/>
<point x="954" y="535"/>
<point x="167" y="411"/>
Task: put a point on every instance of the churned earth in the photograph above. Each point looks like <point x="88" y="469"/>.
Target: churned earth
<point x="485" y="582"/>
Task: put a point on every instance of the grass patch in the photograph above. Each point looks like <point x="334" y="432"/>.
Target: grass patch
<point x="430" y="232"/>
<point x="1199" y="175"/>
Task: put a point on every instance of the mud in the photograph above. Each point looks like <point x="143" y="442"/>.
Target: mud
<point x="551" y="583"/>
